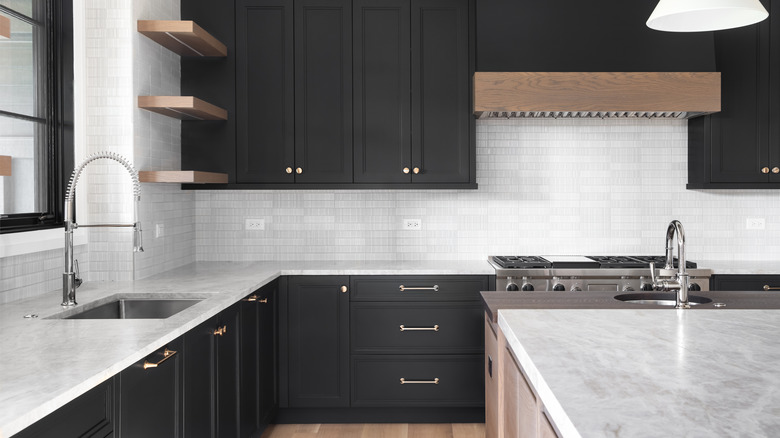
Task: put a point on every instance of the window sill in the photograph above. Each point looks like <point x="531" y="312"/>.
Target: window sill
<point x="35" y="241"/>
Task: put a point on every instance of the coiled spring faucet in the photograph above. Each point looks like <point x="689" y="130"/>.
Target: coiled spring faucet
<point x="70" y="280"/>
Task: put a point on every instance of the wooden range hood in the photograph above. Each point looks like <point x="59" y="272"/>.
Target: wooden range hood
<point x="595" y="95"/>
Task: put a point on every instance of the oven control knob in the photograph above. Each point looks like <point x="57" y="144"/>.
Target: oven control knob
<point x="511" y="287"/>
<point x="694" y="287"/>
<point x="527" y="287"/>
<point x="559" y="287"/>
<point x="576" y="289"/>
<point x="646" y="287"/>
<point x="628" y="289"/>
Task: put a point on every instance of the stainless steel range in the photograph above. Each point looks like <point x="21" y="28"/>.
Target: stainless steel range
<point x="588" y="273"/>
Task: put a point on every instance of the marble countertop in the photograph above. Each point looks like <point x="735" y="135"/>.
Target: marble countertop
<point x="649" y="373"/>
<point x="46" y="363"/>
<point x="747" y="267"/>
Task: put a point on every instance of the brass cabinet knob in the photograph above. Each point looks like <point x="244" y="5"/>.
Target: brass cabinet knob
<point x="298" y="170"/>
<point x="343" y="289"/>
<point x="776" y="170"/>
<point x="416" y="170"/>
<point x="764" y="170"/>
<point x="288" y="170"/>
<point x="406" y="170"/>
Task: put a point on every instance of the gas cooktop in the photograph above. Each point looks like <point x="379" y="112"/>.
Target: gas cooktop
<point x="583" y="262"/>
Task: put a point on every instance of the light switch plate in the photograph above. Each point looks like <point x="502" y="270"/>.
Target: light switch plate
<point x="412" y="224"/>
<point x="755" y="223"/>
<point x="255" y="224"/>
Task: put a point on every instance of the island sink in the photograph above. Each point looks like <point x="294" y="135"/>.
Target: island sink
<point x="134" y="308"/>
<point x="659" y="298"/>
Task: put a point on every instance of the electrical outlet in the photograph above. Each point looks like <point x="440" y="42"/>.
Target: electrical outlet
<point x="159" y="230"/>
<point x="255" y="224"/>
<point x="413" y="224"/>
<point x="755" y="223"/>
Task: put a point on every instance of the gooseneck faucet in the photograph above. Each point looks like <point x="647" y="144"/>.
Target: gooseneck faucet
<point x="70" y="280"/>
<point x="681" y="281"/>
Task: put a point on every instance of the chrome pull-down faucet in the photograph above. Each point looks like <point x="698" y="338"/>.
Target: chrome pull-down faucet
<point x="70" y="280"/>
<point x="681" y="281"/>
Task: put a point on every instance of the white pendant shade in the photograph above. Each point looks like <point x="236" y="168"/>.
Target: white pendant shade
<point x="705" y="15"/>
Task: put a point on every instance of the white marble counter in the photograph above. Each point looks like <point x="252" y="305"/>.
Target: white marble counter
<point x="741" y="267"/>
<point x="652" y="373"/>
<point x="45" y="363"/>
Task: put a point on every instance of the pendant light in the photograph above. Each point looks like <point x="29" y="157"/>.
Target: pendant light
<point x="5" y="28"/>
<point x="705" y="15"/>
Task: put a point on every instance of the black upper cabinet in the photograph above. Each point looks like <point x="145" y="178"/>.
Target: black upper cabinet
<point x="318" y="341"/>
<point x="323" y="91"/>
<point x="440" y="92"/>
<point x="264" y="75"/>
<point x="595" y="35"/>
<point x="383" y="142"/>
<point x="740" y="146"/>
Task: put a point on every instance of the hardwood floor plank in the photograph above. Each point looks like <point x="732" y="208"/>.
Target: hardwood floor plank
<point x="443" y="430"/>
<point x="381" y="430"/>
<point x="291" y="431"/>
<point x="341" y="431"/>
<point x="468" y="430"/>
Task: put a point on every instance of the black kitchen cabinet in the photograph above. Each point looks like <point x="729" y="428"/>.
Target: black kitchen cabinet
<point x="149" y="395"/>
<point x="90" y="415"/>
<point x="265" y="126"/>
<point x="228" y="373"/>
<point x="317" y="321"/>
<point x="199" y="380"/>
<point x="412" y="100"/>
<point x="740" y="146"/>
<point x="258" y="360"/>
<point x="745" y="282"/>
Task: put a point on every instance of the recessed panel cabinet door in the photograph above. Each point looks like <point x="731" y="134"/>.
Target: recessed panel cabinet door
<point x="440" y="91"/>
<point x="323" y="91"/>
<point x="199" y="381"/>
<point x="265" y="84"/>
<point x="381" y="91"/>
<point x="228" y="415"/>
<point x="318" y="345"/>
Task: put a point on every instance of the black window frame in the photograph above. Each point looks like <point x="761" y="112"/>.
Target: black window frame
<point x="59" y="114"/>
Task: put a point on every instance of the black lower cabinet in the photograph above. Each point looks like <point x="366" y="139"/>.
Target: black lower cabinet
<point x="90" y="415"/>
<point x="318" y="343"/>
<point x="745" y="282"/>
<point x="200" y="381"/>
<point x="228" y="373"/>
<point x="258" y="360"/>
<point x="149" y="395"/>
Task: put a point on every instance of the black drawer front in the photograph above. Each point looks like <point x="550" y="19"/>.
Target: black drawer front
<point x="376" y="327"/>
<point x="418" y="287"/>
<point x="376" y="380"/>
<point x="746" y="282"/>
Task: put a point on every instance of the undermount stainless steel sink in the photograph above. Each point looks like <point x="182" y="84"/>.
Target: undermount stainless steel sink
<point x="659" y="298"/>
<point x="133" y="308"/>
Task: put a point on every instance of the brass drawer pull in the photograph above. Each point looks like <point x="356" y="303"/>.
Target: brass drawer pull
<point x="434" y="288"/>
<point x="764" y="170"/>
<point x="776" y="169"/>
<point x="288" y="170"/>
<point x="768" y="287"/>
<point x="343" y="289"/>
<point x="406" y="170"/>
<point x="219" y="331"/>
<point x="431" y="382"/>
<point x="167" y="354"/>
<point x="435" y="328"/>
<point x="255" y="298"/>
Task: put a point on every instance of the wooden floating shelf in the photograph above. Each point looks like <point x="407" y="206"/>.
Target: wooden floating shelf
<point x="182" y="107"/>
<point x="182" y="176"/>
<point x="5" y="28"/>
<point x="5" y="165"/>
<point x="183" y="37"/>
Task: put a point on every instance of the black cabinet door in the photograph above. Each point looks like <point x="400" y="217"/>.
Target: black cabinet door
<point x="323" y="91"/>
<point x="228" y="384"/>
<point x="318" y="341"/>
<point x="381" y="65"/>
<point x="199" y="382"/>
<point x="441" y="113"/>
<point x="264" y="80"/>
<point x="258" y="360"/>
<point x="149" y="397"/>
<point x="739" y="131"/>
<point x="774" y="90"/>
<point x="90" y="415"/>
<point x="746" y="282"/>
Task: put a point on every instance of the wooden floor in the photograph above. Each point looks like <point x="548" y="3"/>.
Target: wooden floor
<point x="400" y="430"/>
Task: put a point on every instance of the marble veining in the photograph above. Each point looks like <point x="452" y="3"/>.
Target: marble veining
<point x="651" y="373"/>
<point x="47" y="361"/>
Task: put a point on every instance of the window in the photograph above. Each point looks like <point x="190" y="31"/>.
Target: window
<point x="36" y="112"/>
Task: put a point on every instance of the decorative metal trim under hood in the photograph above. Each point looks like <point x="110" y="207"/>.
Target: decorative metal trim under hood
<point x="679" y="95"/>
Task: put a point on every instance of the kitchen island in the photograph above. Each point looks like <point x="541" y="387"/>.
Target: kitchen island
<point x="650" y="372"/>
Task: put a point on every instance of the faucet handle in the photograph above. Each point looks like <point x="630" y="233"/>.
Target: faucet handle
<point x="138" y="241"/>
<point x="652" y="275"/>
<point x="76" y="279"/>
